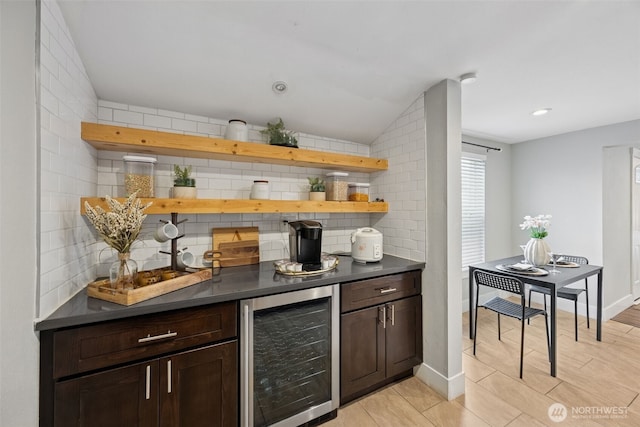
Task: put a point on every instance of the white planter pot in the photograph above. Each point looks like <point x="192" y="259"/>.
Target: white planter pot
<point x="536" y="252"/>
<point x="318" y="196"/>
<point x="185" y="192"/>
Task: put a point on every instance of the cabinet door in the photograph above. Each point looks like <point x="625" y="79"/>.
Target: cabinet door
<point x="362" y="351"/>
<point x="119" y="397"/>
<point x="404" y="335"/>
<point x="200" y="387"/>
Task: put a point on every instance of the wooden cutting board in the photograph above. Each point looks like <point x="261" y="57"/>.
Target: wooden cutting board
<point x="231" y="254"/>
<point x="236" y="246"/>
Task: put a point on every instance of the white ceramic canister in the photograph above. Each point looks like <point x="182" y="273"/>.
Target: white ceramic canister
<point x="260" y="190"/>
<point x="237" y="130"/>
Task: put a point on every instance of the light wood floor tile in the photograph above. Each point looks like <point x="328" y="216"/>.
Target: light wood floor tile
<point x="525" y="420"/>
<point x="474" y="369"/>
<point x="389" y="409"/>
<point x="418" y="394"/>
<point x="487" y="406"/>
<point x="452" y="414"/>
<point x="517" y="395"/>
<point x="351" y="415"/>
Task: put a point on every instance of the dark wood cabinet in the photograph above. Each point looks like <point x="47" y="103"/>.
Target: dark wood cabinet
<point x="382" y="342"/>
<point x="200" y="387"/>
<point x="107" y="399"/>
<point x="102" y="375"/>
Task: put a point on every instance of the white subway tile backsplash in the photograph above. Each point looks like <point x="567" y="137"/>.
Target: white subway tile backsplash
<point x="105" y="113"/>
<point x="173" y="114"/>
<point x="129" y="117"/>
<point x="111" y="104"/>
<point x="196" y="118"/>
<point x="144" y="110"/>
<point x="72" y="169"/>
<point x="208" y="128"/>
<point x="153" y="120"/>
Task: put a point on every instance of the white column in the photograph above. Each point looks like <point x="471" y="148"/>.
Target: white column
<point x="442" y="294"/>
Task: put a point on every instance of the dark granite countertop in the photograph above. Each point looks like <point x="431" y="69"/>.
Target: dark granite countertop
<point x="233" y="283"/>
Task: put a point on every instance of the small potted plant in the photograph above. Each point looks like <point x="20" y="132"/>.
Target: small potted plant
<point x="316" y="189"/>
<point x="278" y="135"/>
<point x="184" y="187"/>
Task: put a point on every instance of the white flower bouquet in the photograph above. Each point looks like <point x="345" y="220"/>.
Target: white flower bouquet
<point x="537" y="225"/>
<point x="120" y="227"/>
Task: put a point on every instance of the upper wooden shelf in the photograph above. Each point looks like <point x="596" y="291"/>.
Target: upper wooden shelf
<point x="116" y="138"/>
<point x="230" y="206"/>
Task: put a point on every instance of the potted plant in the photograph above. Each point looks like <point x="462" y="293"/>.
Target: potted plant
<point x="184" y="187"/>
<point x="316" y="189"/>
<point x="278" y="135"/>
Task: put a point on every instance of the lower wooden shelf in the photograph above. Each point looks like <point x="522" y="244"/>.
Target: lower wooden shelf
<point x="231" y="206"/>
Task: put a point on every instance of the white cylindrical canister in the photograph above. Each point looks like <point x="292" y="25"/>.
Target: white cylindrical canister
<point x="260" y="190"/>
<point x="237" y="130"/>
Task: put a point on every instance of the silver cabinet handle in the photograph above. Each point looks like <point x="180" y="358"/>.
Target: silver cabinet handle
<point x="147" y="385"/>
<point x="387" y="290"/>
<point x="148" y="338"/>
<point x="245" y="362"/>
<point x="384" y="316"/>
<point x="169" y="379"/>
<point x="393" y="315"/>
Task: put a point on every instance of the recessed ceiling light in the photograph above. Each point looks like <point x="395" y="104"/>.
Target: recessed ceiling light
<point x="468" y="78"/>
<point x="541" y="112"/>
<point x="279" y="87"/>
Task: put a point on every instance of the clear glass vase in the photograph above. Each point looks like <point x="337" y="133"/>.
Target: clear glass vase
<point x="122" y="273"/>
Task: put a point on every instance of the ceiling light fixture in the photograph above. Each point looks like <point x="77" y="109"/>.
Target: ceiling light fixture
<point x="279" y="87"/>
<point x="468" y="78"/>
<point x="541" y="112"/>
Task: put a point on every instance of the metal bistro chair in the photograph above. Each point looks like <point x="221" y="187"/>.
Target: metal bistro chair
<point x="566" y="292"/>
<point x="505" y="307"/>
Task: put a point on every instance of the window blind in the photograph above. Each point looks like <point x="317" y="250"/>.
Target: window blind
<point x="473" y="209"/>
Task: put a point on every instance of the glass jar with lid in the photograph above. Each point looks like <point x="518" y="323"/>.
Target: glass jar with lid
<point x="359" y="192"/>
<point x="138" y="176"/>
<point x="337" y="186"/>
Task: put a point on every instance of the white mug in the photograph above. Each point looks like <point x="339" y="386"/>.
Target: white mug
<point x="185" y="259"/>
<point x="166" y="232"/>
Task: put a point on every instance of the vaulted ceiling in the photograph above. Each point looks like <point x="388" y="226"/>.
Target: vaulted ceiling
<point x="353" y="66"/>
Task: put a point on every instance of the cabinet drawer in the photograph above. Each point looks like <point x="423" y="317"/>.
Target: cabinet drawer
<point x="366" y="293"/>
<point x="105" y="344"/>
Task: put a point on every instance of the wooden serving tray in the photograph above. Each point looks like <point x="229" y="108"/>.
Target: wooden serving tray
<point x="101" y="289"/>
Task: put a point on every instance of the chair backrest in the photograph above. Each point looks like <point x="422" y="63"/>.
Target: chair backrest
<point x="499" y="281"/>
<point x="574" y="258"/>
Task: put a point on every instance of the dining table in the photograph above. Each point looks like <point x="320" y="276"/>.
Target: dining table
<point x="551" y="281"/>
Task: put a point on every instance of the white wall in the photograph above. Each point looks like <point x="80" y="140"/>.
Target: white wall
<point x="562" y="176"/>
<point x="403" y="185"/>
<point x="18" y="215"/>
<point x="68" y="164"/>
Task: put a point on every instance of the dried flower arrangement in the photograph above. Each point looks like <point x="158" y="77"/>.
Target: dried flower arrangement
<point x="120" y="227"/>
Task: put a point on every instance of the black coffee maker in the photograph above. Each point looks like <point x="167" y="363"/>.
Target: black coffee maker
<point x="305" y="244"/>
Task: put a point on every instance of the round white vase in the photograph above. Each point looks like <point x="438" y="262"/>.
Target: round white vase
<point x="536" y="252"/>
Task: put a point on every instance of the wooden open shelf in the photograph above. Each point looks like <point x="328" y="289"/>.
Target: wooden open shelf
<point x="116" y="138"/>
<point x="230" y="206"/>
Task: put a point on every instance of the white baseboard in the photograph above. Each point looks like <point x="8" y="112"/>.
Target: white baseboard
<point x="450" y="388"/>
<point x="617" y="307"/>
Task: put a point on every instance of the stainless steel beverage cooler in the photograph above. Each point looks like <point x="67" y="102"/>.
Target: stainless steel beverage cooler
<point x="290" y="357"/>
